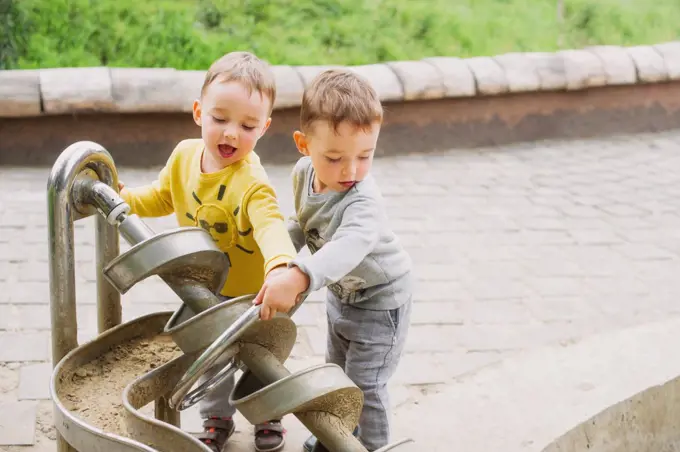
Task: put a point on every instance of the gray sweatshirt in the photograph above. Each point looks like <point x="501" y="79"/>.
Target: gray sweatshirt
<point x="353" y="250"/>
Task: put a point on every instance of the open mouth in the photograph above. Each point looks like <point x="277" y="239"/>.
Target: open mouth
<point x="226" y="151"/>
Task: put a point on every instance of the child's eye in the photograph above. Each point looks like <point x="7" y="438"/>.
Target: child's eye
<point x="248" y="127"/>
<point x="332" y="160"/>
<point x="218" y="120"/>
<point x="364" y="158"/>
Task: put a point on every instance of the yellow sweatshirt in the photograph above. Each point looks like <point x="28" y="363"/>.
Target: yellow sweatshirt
<point x="237" y="205"/>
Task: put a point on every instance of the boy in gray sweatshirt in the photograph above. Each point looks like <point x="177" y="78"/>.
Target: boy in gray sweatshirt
<point x="340" y="216"/>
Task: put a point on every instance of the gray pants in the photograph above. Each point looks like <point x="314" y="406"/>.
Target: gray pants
<point x="216" y="402"/>
<point x="367" y="345"/>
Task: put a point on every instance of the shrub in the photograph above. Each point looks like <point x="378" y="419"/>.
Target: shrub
<point x="13" y="33"/>
<point x="190" y="34"/>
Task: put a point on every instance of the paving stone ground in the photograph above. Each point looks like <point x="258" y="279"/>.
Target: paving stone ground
<point x="514" y="247"/>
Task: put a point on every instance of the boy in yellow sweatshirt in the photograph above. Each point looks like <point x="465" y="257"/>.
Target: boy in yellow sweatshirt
<point x="218" y="183"/>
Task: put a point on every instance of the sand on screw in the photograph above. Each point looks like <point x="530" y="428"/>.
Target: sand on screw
<point x="94" y="392"/>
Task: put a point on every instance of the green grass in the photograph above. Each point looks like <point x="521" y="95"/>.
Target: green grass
<point x="190" y="34"/>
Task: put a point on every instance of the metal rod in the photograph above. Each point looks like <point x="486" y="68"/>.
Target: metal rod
<point x="262" y="363"/>
<point x="62" y="274"/>
<point x="193" y="293"/>
<point x="64" y="208"/>
<point x="134" y="230"/>
<point x="199" y="393"/>
<point x="61" y="268"/>
<point x="210" y="355"/>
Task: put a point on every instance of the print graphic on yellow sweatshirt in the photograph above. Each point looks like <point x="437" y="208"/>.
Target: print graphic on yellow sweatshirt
<point x="236" y="205"/>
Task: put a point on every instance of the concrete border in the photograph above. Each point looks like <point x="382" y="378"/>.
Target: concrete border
<point x="119" y="90"/>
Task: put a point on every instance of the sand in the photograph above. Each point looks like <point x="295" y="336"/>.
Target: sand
<point x="94" y="392"/>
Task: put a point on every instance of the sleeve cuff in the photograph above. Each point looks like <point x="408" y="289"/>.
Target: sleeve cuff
<point x="125" y="195"/>
<point x="276" y="262"/>
<point x="312" y="281"/>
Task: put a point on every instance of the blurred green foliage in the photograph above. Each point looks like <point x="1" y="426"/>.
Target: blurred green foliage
<point x="190" y="34"/>
<point x="13" y="33"/>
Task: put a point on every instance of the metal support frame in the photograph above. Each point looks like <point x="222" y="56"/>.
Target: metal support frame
<point x="82" y="159"/>
<point x="84" y="182"/>
<point x="79" y="183"/>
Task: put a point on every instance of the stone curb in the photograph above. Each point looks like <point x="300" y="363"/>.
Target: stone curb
<point x="25" y="93"/>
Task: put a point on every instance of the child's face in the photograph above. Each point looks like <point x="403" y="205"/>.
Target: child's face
<point x="341" y="157"/>
<point x="231" y="120"/>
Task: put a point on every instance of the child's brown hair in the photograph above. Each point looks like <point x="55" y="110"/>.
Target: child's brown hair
<point x="338" y="95"/>
<point x="244" y="67"/>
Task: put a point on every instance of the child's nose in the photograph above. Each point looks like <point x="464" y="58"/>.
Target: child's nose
<point x="230" y="132"/>
<point x="350" y="170"/>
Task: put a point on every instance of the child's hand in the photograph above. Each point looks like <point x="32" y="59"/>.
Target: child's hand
<point x="121" y="186"/>
<point x="280" y="291"/>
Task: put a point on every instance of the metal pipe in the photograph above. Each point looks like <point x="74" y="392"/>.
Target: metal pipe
<point x="193" y="293"/>
<point x="103" y="196"/>
<point x="93" y="187"/>
<point x="114" y="209"/>
<point x="328" y="429"/>
<point x="62" y="272"/>
<point x="80" y="161"/>
<point x="134" y="230"/>
<point x="63" y="209"/>
<point x="262" y="363"/>
<point x="109" y="309"/>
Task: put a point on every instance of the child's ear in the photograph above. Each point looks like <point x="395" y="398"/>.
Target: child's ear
<point x="266" y="126"/>
<point x="197" y="112"/>
<point x="301" y="142"/>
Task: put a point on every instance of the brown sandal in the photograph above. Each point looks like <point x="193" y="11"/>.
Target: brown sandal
<point x="269" y="436"/>
<point x="216" y="433"/>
